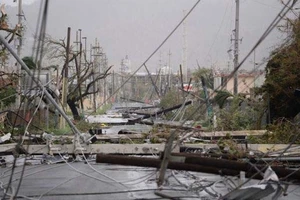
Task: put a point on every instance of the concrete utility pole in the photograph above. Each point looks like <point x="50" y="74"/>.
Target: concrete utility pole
<point x="96" y="63"/>
<point x="48" y="95"/>
<point x="79" y="71"/>
<point x="104" y="68"/>
<point x="184" y="51"/>
<point x="236" y="47"/>
<point x="19" y="31"/>
<point x="160" y="66"/>
<point x="78" y="68"/>
<point x="20" y="15"/>
<point x="113" y="86"/>
<point x="170" y="71"/>
<point x="65" y="78"/>
<point x="166" y="158"/>
<point x="80" y="49"/>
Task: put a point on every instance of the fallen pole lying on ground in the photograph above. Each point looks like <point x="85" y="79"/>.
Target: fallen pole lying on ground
<point x="200" y="164"/>
<point x="231" y="164"/>
<point x="153" y="162"/>
<point x="162" y="111"/>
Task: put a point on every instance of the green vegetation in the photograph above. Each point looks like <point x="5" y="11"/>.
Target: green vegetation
<point x="236" y="117"/>
<point x="102" y="110"/>
<point x="197" y="110"/>
<point x="280" y="132"/>
<point x="7" y="96"/>
<point x="60" y="131"/>
<point x="282" y="76"/>
<point x="85" y="126"/>
<point x="207" y="76"/>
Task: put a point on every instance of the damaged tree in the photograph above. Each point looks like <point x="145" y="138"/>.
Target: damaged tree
<point x="282" y="75"/>
<point x="12" y="32"/>
<point x="86" y="75"/>
<point x="8" y="80"/>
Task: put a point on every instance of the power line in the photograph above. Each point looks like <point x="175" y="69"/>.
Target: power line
<point x="154" y="52"/>
<point x="274" y="23"/>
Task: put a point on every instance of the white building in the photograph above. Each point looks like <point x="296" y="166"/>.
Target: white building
<point x="126" y="65"/>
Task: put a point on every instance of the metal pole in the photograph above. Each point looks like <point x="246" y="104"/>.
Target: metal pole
<point x="48" y="95"/>
<point x="236" y="47"/>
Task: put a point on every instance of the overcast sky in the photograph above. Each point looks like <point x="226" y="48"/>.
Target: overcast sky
<point x="136" y="28"/>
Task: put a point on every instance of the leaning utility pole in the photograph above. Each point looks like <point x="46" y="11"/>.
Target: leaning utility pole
<point x="166" y="158"/>
<point x="19" y="31"/>
<point x="37" y="81"/>
<point x="19" y="48"/>
<point x="236" y="47"/>
<point x="65" y="79"/>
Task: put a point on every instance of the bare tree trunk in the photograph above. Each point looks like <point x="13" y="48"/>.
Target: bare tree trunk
<point x="72" y="104"/>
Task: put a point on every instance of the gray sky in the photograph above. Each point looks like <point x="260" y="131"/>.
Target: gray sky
<point x="135" y="28"/>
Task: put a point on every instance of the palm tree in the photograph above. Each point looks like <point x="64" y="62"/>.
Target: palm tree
<point x="221" y="97"/>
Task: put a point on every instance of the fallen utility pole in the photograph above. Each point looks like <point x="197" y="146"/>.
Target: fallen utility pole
<point x="189" y="93"/>
<point x="162" y="111"/>
<point x="166" y="159"/>
<point x="137" y="101"/>
<point x="48" y="95"/>
<point x="123" y="149"/>
<point x="230" y="164"/>
<point x="196" y="163"/>
<point x="156" y="163"/>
